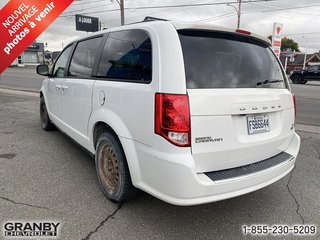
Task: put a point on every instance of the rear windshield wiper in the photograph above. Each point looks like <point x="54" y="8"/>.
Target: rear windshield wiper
<point x="269" y="81"/>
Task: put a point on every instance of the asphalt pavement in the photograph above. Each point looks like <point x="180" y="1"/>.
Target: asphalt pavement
<point x="24" y="78"/>
<point x="308" y="102"/>
<point x="46" y="176"/>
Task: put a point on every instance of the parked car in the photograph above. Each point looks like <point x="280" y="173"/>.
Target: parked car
<point x="188" y="113"/>
<point x="302" y="76"/>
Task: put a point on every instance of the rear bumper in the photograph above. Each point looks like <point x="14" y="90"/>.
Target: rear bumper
<point x="172" y="177"/>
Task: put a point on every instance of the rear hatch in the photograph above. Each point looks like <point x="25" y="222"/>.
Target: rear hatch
<point x="240" y="106"/>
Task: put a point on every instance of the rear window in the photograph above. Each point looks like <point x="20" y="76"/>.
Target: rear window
<point x="223" y="60"/>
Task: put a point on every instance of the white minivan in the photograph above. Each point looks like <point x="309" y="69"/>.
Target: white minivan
<point x="189" y="113"/>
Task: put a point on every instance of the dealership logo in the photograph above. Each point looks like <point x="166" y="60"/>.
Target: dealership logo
<point x="30" y="229"/>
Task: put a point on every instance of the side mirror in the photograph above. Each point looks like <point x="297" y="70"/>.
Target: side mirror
<point x="43" y="70"/>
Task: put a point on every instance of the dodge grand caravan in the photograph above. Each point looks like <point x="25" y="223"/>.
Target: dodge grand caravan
<point x="188" y="113"/>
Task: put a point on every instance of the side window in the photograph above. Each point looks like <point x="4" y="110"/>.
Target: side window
<point x="127" y="56"/>
<point x="82" y="60"/>
<point x="313" y="68"/>
<point x="60" y="65"/>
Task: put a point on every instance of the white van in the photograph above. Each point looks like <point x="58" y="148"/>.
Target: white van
<point x="188" y="113"/>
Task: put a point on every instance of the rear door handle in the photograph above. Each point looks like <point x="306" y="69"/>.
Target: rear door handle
<point x="58" y="87"/>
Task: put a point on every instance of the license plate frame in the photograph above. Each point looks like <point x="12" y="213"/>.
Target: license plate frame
<point x="258" y="123"/>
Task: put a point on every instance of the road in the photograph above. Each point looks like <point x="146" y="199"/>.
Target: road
<point x="45" y="175"/>
<point x="23" y="78"/>
<point x="308" y="96"/>
<point x="308" y="103"/>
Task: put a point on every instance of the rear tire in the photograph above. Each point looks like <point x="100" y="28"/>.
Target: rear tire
<point x="112" y="169"/>
<point x="46" y="123"/>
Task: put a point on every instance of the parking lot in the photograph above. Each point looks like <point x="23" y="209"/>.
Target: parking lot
<point x="46" y="176"/>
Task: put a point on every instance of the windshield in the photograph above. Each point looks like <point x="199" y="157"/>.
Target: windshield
<point x="226" y="60"/>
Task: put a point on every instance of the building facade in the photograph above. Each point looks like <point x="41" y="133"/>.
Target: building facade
<point x="34" y="54"/>
<point x="296" y="63"/>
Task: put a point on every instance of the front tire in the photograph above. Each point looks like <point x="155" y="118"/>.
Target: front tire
<point x="297" y="79"/>
<point x="112" y="169"/>
<point x="46" y="123"/>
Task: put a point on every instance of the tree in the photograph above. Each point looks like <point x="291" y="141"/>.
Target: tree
<point x="288" y="43"/>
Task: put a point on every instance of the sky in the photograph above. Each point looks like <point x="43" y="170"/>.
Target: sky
<point x="301" y="19"/>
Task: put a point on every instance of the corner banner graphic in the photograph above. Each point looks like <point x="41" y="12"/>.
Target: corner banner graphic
<point x="21" y="22"/>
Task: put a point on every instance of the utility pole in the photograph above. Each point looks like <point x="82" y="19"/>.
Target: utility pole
<point x="305" y="54"/>
<point x="122" y="11"/>
<point x="239" y="14"/>
<point x="121" y="4"/>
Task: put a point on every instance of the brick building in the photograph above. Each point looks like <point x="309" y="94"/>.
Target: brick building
<point x="297" y="63"/>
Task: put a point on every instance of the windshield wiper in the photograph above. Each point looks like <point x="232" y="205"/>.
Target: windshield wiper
<point x="269" y="81"/>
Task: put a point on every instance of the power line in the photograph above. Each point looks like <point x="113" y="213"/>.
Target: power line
<point x="154" y="14"/>
<point x="289" y="8"/>
<point x="263" y="11"/>
<point x="297" y="18"/>
<point x="285" y="7"/>
<point x="217" y="17"/>
<point x="278" y="9"/>
<point x="102" y="11"/>
<point x="82" y="3"/>
<point x="80" y="10"/>
<point x="203" y="4"/>
<point x="196" y="5"/>
<point x="297" y="34"/>
<point x="174" y="6"/>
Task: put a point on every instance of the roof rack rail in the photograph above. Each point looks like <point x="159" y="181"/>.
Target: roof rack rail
<point x="148" y="19"/>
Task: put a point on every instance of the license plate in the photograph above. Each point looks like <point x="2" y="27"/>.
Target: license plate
<point x="258" y="124"/>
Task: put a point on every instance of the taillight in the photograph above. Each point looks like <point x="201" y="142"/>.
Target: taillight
<point x="172" y="118"/>
<point x="295" y="106"/>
